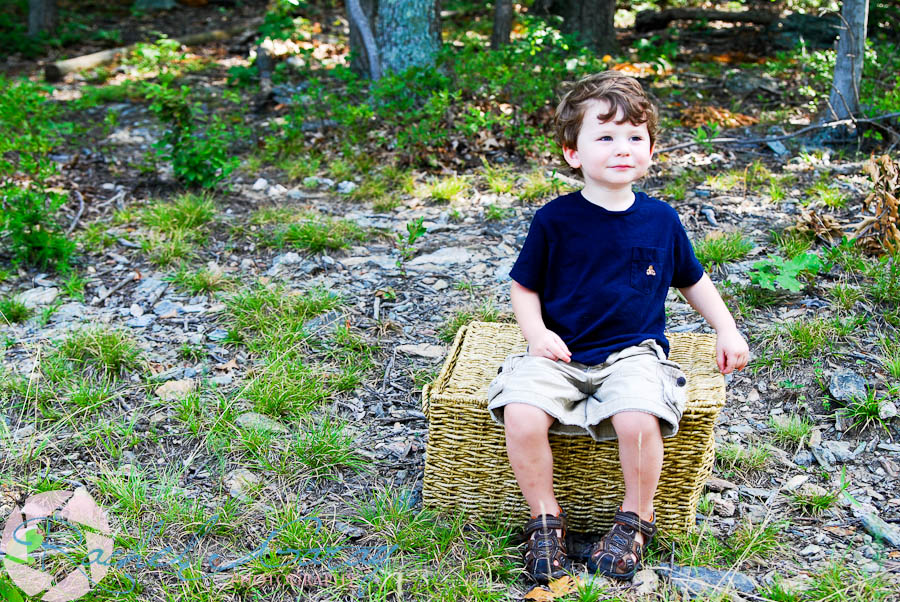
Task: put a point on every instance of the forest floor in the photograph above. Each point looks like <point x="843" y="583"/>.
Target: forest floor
<point x="246" y="364"/>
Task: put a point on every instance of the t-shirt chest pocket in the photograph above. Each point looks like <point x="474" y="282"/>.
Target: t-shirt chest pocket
<point x="646" y="269"/>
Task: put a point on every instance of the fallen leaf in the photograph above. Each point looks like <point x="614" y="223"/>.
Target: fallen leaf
<point x="423" y="350"/>
<point x="557" y="588"/>
<point x="229" y="365"/>
<point x="841" y="531"/>
<point x="175" y="389"/>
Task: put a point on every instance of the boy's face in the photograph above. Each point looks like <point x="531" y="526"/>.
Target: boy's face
<point x="611" y="155"/>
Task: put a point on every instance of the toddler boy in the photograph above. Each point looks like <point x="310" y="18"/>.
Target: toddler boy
<point x="588" y="292"/>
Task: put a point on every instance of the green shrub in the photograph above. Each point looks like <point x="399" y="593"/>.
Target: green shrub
<point x="199" y="155"/>
<point x="717" y="249"/>
<point x="30" y="230"/>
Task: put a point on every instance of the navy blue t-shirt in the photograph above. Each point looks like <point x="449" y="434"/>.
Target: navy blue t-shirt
<point x="603" y="276"/>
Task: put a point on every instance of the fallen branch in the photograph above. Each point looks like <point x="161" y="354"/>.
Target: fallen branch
<point x="650" y="20"/>
<point x="800" y="132"/>
<point x="53" y="72"/>
<point x="78" y="213"/>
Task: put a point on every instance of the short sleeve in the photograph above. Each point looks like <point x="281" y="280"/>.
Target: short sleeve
<point x="531" y="265"/>
<point x="688" y="269"/>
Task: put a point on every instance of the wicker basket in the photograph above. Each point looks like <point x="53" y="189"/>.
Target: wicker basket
<point x="466" y="467"/>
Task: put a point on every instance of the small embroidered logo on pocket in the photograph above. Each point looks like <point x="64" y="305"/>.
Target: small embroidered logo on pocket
<point x="650" y="270"/>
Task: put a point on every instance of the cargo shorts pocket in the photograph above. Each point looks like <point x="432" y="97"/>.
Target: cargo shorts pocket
<point x="503" y="373"/>
<point x="674" y="385"/>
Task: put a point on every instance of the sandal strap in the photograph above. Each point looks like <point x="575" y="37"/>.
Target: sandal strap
<point x="633" y="521"/>
<point x="544" y="521"/>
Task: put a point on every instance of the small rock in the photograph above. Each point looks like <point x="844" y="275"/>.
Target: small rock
<point x="700" y="581"/>
<point x="803" y="458"/>
<point x="646" y="582"/>
<point x="260" y="184"/>
<point x="887" y="410"/>
<point x="238" y="481"/>
<point x="847" y="385"/>
<point x="136" y="310"/>
<point x="166" y="308"/>
<point x="311" y="182"/>
<point x="222" y="380"/>
<point x="351" y="531"/>
<point x="295" y="194"/>
<point x="725" y="508"/>
<point x="823" y="456"/>
<point x="276" y="190"/>
<point x="322" y="321"/>
<point x="346" y="187"/>
<point x="445" y="256"/>
<point x="795" y="482"/>
<point x="810" y="550"/>
<point x="423" y="350"/>
<point x="259" y="422"/>
<point x="141" y="322"/>
<point x="440" y="285"/>
<point x="717" y="484"/>
<point x="247" y="264"/>
<point x="38" y="296"/>
<point x="327" y="182"/>
<point x="809" y="490"/>
<point x="24" y="431"/>
<point x="175" y="389"/>
<point x="841" y="450"/>
<point x="710" y="214"/>
<point x="756" y="513"/>
<point x="217" y="335"/>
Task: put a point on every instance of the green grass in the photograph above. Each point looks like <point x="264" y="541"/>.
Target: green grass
<point x="106" y="349"/>
<point x="169" y="247"/>
<point x="890" y="359"/>
<point x="827" y="193"/>
<point x="733" y="456"/>
<point x="537" y="187"/>
<point x="203" y="280"/>
<point x="792" y="243"/>
<point x="790" y="428"/>
<point x="839" y="582"/>
<point x="13" y="311"/>
<point x="747" y="543"/>
<point x="486" y="312"/>
<point x="864" y="412"/>
<point x="814" y="501"/>
<point x="185" y="212"/>
<point x="445" y="190"/>
<point x="495" y="213"/>
<point x="803" y="338"/>
<point x="325" y="446"/>
<point x="717" y="249"/>
<point x="285" y="388"/>
<point x="885" y="275"/>
<point x="385" y="187"/>
<point x="844" y="295"/>
<point x="499" y="180"/>
<point x="314" y="233"/>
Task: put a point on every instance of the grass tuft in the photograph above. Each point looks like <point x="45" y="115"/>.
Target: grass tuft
<point x="13" y="311"/>
<point x="717" y="249"/>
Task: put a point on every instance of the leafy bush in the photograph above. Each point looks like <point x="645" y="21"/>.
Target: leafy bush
<point x="199" y="156"/>
<point x="777" y="271"/>
<point x="30" y="229"/>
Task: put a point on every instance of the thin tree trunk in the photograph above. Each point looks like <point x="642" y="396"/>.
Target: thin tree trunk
<point x="591" y="20"/>
<point x="41" y="16"/>
<point x="503" y="18"/>
<point x="408" y="33"/>
<point x="844" y="98"/>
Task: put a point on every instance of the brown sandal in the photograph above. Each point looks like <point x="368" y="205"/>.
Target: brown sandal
<point x="546" y="555"/>
<point x="618" y="555"/>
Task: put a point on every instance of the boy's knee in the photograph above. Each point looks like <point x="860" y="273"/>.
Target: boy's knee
<point x="523" y="421"/>
<point x="636" y="425"/>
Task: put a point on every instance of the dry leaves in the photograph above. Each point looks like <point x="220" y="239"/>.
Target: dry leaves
<point x="698" y="115"/>
<point x="823" y="226"/>
<point x="557" y="588"/>
<point x="879" y="232"/>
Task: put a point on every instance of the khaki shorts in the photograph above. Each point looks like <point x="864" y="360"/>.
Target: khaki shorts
<point x="583" y="398"/>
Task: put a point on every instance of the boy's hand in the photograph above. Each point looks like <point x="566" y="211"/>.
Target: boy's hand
<point x="548" y="344"/>
<point x="732" y="352"/>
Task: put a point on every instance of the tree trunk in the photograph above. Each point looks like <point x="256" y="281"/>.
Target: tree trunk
<point x="407" y="33"/>
<point x="591" y="20"/>
<point x="844" y="99"/>
<point x="503" y="18"/>
<point x="41" y="16"/>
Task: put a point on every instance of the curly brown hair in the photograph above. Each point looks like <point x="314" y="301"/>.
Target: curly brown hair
<point x="622" y="92"/>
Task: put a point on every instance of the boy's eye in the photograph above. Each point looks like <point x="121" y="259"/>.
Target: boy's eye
<point x="605" y="138"/>
<point x="637" y="138"/>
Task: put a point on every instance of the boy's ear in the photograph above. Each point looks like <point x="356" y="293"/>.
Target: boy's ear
<point x="571" y="157"/>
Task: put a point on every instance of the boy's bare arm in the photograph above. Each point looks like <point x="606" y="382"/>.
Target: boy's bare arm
<point x="732" y="352"/>
<point x="541" y="342"/>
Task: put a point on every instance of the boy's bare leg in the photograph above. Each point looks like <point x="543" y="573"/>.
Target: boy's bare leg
<point x="641" y="456"/>
<point x="530" y="456"/>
